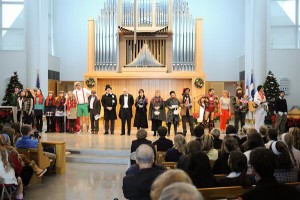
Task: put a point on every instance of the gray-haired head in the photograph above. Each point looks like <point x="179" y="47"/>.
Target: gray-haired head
<point x="215" y="132"/>
<point x="144" y="154"/>
<point x="141" y="134"/>
<point x="181" y="191"/>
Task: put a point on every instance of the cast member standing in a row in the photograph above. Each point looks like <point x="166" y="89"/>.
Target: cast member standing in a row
<point x="82" y="95"/>
<point x="261" y="107"/>
<point x="94" y="109"/>
<point x="109" y="103"/>
<point x="14" y="102"/>
<point x="186" y="111"/>
<point x="281" y="112"/>
<point x="71" y="111"/>
<point x="157" y="112"/>
<point x="39" y="109"/>
<point x="173" y="105"/>
<point x="224" y="110"/>
<point x="60" y="109"/>
<point x="50" y="106"/>
<point x="140" y="119"/>
<point x="126" y="102"/>
<point x="28" y="107"/>
<point x="240" y="105"/>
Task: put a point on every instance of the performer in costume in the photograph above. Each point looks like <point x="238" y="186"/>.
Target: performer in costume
<point x="94" y="109"/>
<point x="210" y="103"/>
<point x="173" y="114"/>
<point x="14" y="102"/>
<point x="28" y="107"/>
<point x="59" y="113"/>
<point x="281" y="112"/>
<point x="224" y="110"/>
<point x="39" y="109"/>
<point x="20" y="106"/>
<point x="261" y="106"/>
<point x="50" y="106"/>
<point x="81" y="95"/>
<point x="140" y="119"/>
<point x="186" y="111"/>
<point x="109" y="103"/>
<point x="126" y="102"/>
<point x="157" y="112"/>
<point x="240" y="106"/>
<point x="71" y="108"/>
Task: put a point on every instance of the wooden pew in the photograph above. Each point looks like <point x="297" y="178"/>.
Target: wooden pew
<point x="160" y="155"/>
<point x="169" y="165"/>
<point x="60" y="152"/>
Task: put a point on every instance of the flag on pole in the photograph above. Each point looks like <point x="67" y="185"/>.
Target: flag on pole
<point x="252" y="86"/>
<point x="37" y="83"/>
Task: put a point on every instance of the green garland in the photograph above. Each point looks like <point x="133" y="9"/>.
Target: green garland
<point x="90" y="82"/>
<point x="199" y="83"/>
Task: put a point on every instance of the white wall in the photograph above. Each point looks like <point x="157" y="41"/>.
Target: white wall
<point x="223" y="35"/>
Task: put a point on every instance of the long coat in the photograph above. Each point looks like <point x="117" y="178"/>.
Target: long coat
<point x="157" y="102"/>
<point x="140" y="119"/>
<point x="130" y="104"/>
<point x="184" y="108"/>
<point x="170" y="113"/>
<point x="109" y="100"/>
<point x="96" y="106"/>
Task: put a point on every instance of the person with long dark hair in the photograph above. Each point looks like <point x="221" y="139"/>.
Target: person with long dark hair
<point x="28" y="107"/>
<point x="237" y="162"/>
<point x="50" y="106"/>
<point x="59" y="114"/>
<point x="140" y="118"/>
<point x="200" y="172"/>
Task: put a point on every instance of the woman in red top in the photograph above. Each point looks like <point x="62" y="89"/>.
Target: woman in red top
<point x="50" y="105"/>
<point x="71" y="110"/>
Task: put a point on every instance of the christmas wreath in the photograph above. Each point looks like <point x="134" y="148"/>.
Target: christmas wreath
<point x="199" y="82"/>
<point x="90" y="82"/>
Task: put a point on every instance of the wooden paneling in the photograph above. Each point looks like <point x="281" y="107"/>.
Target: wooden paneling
<point x="149" y="86"/>
<point x="52" y="86"/>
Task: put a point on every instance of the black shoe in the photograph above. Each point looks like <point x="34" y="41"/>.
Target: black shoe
<point x="112" y="133"/>
<point x="128" y="133"/>
<point x="122" y="133"/>
<point x="105" y="133"/>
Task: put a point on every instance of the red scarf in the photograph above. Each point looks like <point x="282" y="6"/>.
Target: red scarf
<point x="262" y="96"/>
<point x="53" y="101"/>
<point x="40" y="99"/>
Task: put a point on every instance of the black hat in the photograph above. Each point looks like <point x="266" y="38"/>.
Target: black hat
<point x="107" y="86"/>
<point x="184" y="89"/>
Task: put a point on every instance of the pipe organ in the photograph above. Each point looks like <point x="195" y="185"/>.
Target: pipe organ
<point x="158" y="23"/>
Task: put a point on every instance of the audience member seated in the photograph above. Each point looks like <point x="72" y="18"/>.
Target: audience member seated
<point x="22" y="165"/>
<point x="221" y="164"/>
<point x="263" y="163"/>
<point x="163" y="144"/>
<point x="217" y="141"/>
<point x="198" y="132"/>
<point x="243" y="139"/>
<point x="238" y="176"/>
<point x="254" y="140"/>
<point x="263" y="132"/>
<point x="191" y="148"/>
<point x="200" y="172"/>
<point x="173" y="154"/>
<point x="285" y="169"/>
<point x="26" y="142"/>
<point x="166" y="179"/>
<point x="231" y="130"/>
<point x="10" y="132"/>
<point x="181" y="191"/>
<point x="8" y="176"/>
<point x="295" y="131"/>
<point x="288" y="139"/>
<point x="272" y="136"/>
<point x="17" y="127"/>
<point x="138" y="186"/>
<point x="141" y="136"/>
<point x="207" y="146"/>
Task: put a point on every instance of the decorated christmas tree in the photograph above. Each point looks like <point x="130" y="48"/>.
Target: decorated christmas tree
<point x="271" y="87"/>
<point x="13" y="82"/>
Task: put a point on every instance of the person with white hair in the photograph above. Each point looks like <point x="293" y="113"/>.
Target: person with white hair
<point x="81" y="95"/>
<point x="138" y="186"/>
<point x="181" y="191"/>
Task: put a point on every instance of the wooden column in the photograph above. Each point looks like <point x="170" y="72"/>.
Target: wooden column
<point x="91" y="45"/>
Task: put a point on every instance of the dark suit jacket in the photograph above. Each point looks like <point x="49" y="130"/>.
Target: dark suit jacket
<point x="96" y="106"/>
<point x="163" y="144"/>
<point x="136" y="143"/>
<point x="109" y="100"/>
<point x="130" y="103"/>
<point x="137" y="186"/>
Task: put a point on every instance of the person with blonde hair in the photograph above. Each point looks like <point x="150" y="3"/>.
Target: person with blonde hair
<point x="207" y="146"/>
<point x="224" y="108"/>
<point x="173" y="154"/>
<point x="288" y="139"/>
<point x="71" y="111"/>
<point x="181" y="191"/>
<point x="296" y="134"/>
<point x="167" y="178"/>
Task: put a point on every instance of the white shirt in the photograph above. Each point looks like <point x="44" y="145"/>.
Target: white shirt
<point x="258" y="99"/>
<point x="82" y="95"/>
<point x="92" y="102"/>
<point x="268" y="144"/>
<point x="125" y="101"/>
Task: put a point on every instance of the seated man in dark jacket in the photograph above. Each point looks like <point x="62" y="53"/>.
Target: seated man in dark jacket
<point x="263" y="162"/>
<point x="138" y="186"/>
<point x="163" y="144"/>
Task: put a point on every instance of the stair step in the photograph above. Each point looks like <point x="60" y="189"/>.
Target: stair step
<point x="77" y="158"/>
